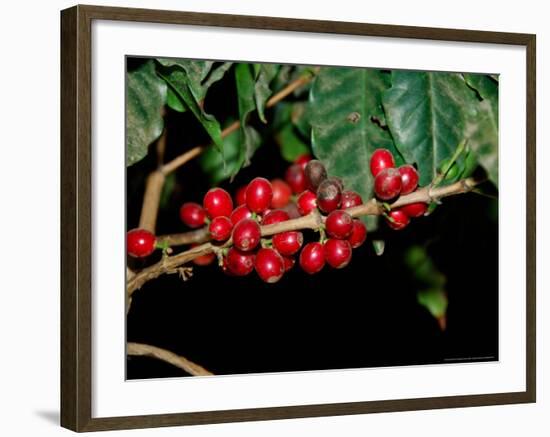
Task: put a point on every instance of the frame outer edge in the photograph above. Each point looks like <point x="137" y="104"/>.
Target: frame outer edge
<point x="76" y="219"/>
<point x="69" y="357"/>
<point x="531" y="213"/>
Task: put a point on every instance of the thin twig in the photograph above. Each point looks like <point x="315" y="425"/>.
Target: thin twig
<point x="313" y="221"/>
<point x="197" y="236"/>
<point x="139" y="349"/>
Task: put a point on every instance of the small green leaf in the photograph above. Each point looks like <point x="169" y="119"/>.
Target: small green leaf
<point x="201" y="76"/>
<point x="262" y="91"/>
<point x="177" y="79"/>
<point x="429" y="282"/>
<point x="246" y="103"/>
<point x="146" y="95"/>
<point x="174" y="102"/>
<point x="212" y="162"/>
<point x="196" y="72"/>
<point x="434" y="300"/>
<point x="378" y="246"/>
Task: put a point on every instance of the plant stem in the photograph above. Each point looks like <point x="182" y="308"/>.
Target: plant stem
<point x="314" y="220"/>
<point x="139" y="349"/>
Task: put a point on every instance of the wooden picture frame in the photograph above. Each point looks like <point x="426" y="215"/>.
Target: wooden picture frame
<point x="76" y="217"/>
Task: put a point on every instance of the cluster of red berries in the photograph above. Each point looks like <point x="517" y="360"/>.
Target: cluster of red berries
<point x="307" y="187"/>
<point x="261" y="203"/>
<point x="391" y="182"/>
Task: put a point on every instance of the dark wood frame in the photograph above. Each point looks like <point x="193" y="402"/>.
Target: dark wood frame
<point x="76" y="167"/>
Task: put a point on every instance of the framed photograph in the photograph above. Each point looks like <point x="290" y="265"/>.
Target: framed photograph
<point x="341" y="224"/>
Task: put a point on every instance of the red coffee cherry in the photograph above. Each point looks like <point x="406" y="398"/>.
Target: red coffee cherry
<point x="312" y="258"/>
<point x="409" y="178"/>
<point x="220" y="228"/>
<point x="414" y="210"/>
<point x="246" y="235"/>
<point x="337" y="253"/>
<point x="217" y="202"/>
<point x="289" y="262"/>
<point x="281" y="193"/>
<point x="203" y="260"/>
<point x="269" y="265"/>
<point x="387" y="185"/>
<point x="258" y="195"/>
<point x="339" y="224"/>
<point x="275" y="216"/>
<point x="192" y="214"/>
<point x="358" y="234"/>
<point x="329" y="195"/>
<point x="239" y="263"/>
<point x="241" y="212"/>
<point x="240" y="196"/>
<point x="400" y="219"/>
<point x="288" y="243"/>
<point x="350" y="199"/>
<point x="306" y="202"/>
<point x="303" y="160"/>
<point x="292" y="210"/>
<point x="296" y="178"/>
<point x="315" y="174"/>
<point x="380" y="160"/>
<point x="140" y="243"/>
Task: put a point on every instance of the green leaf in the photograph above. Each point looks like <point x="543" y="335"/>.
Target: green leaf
<point x="429" y="282"/>
<point x="287" y="117"/>
<point x="483" y="126"/>
<point x="345" y="113"/>
<point x="174" y="102"/>
<point x="146" y="95"/>
<point x="177" y="79"/>
<point x="434" y="300"/>
<point x="212" y="162"/>
<point x="246" y="103"/>
<point x="291" y="144"/>
<point x="266" y="73"/>
<point x="199" y="73"/>
<point x="427" y="114"/>
<point x="217" y="74"/>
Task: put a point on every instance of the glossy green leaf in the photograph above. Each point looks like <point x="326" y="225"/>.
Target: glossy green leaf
<point x="178" y="80"/>
<point x="212" y="162"/>
<point x="262" y="91"/>
<point x="345" y="113"/>
<point x="146" y="95"/>
<point x="174" y="102"/>
<point x="483" y="126"/>
<point x="246" y="102"/>
<point x="427" y="114"/>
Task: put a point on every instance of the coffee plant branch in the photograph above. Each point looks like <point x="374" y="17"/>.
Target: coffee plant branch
<point x="314" y="221"/>
<point x="139" y="349"/>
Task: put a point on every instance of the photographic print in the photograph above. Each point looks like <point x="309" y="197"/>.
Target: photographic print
<point x="285" y="218"/>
